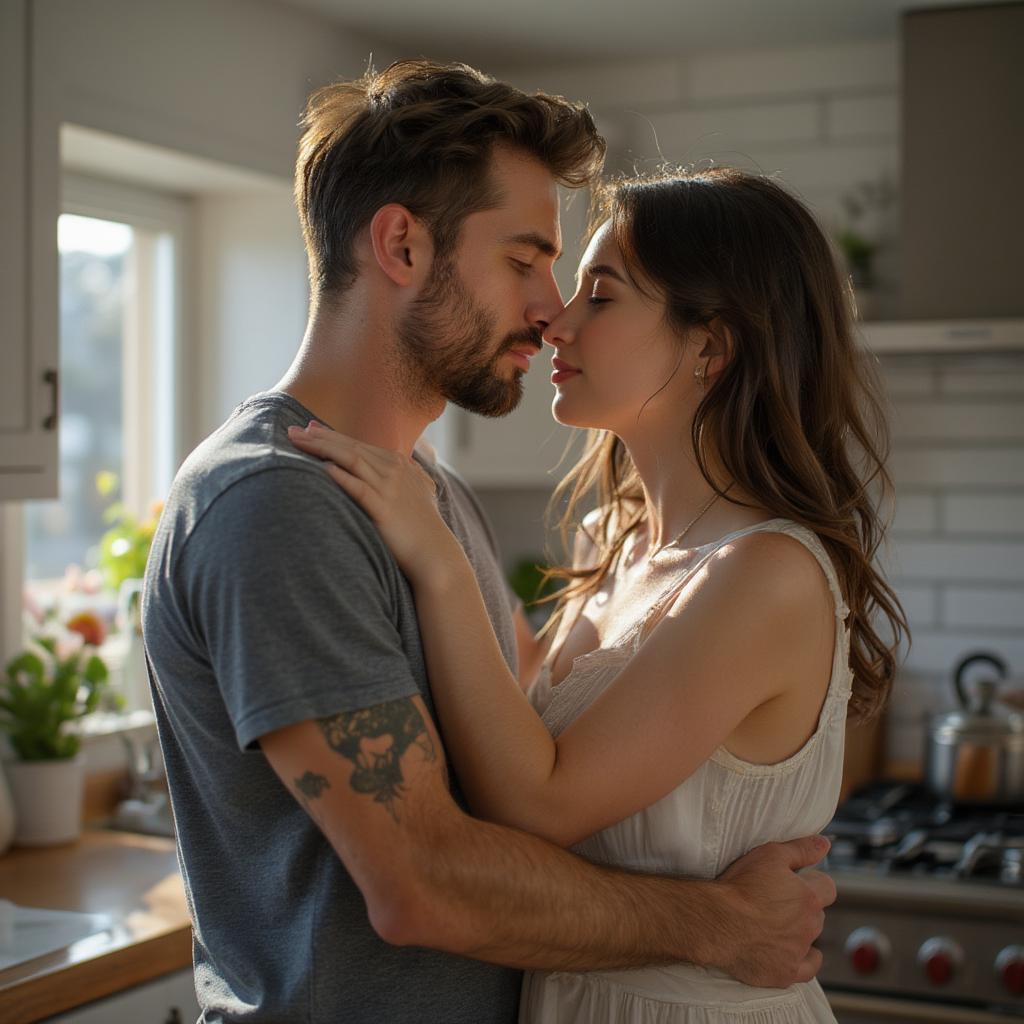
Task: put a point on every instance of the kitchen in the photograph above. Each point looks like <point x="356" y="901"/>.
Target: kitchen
<point x="829" y="116"/>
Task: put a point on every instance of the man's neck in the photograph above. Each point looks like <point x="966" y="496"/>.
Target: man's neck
<point x="345" y="374"/>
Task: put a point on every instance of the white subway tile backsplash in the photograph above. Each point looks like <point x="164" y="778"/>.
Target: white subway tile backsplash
<point x="684" y="135"/>
<point x="611" y="84"/>
<point x="863" y="117"/>
<point x="975" y="466"/>
<point x="984" y="513"/>
<point x="807" y="169"/>
<point x="985" y="607"/>
<point x="969" y="455"/>
<point x="920" y="605"/>
<point x="942" y="420"/>
<point x="812" y="70"/>
<point x="915" y="696"/>
<point x="1000" y="381"/>
<point x="915" y="513"/>
<point x="953" y="561"/>
<point x="909" y="380"/>
<point x="938" y="651"/>
<point x="838" y="166"/>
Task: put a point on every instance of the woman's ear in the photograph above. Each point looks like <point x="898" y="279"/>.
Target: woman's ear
<point x="401" y="245"/>
<point x="717" y="351"/>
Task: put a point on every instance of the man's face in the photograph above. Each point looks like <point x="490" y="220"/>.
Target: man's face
<point x="471" y="333"/>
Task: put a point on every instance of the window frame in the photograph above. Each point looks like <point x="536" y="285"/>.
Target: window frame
<point x="160" y="357"/>
<point x="157" y="361"/>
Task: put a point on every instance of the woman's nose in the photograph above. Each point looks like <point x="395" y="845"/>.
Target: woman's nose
<point x="559" y="332"/>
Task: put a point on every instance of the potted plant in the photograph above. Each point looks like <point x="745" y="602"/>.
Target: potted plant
<point x="862" y="235"/>
<point x="56" y="680"/>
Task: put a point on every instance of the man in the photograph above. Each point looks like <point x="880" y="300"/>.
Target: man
<point x="332" y="871"/>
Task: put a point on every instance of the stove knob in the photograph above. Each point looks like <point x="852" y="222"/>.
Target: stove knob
<point x="1010" y="968"/>
<point x="866" y="948"/>
<point x="940" y="958"/>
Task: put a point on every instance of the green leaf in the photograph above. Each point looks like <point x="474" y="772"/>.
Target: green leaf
<point x="37" y="700"/>
<point x="96" y="670"/>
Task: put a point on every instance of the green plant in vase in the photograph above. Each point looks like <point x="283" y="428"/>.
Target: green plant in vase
<point x="55" y="681"/>
<point x="46" y="687"/>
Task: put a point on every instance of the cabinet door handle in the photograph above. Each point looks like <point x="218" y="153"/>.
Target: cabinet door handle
<point x="51" y="377"/>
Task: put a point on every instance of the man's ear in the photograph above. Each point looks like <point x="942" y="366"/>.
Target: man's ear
<point x="718" y="348"/>
<point x="401" y="245"/>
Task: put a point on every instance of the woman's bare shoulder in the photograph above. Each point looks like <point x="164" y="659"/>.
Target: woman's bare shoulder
<point x="774" y="567"/>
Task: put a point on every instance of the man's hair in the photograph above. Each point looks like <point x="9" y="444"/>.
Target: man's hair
<point x="421" y="134"/>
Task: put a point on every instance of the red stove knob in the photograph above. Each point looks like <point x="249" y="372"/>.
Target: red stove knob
<point x="940" y="958"/>
<point x="866" y="948"/>
<point x="1010" y="968"/>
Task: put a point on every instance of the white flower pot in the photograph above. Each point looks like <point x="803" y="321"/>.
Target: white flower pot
<point x="6" y="813"/>
<point x="47" y="800"/>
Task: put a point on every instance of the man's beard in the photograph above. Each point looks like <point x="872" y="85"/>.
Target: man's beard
<point x="446" y="339"/>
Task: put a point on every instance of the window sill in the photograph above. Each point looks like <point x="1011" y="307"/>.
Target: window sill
<point x="130" y="724"/>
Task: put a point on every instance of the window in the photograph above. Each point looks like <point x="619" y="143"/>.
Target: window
<point x="120" y="280"/>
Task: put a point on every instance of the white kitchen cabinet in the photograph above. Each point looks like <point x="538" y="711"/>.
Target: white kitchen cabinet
<point x="29" y="207"/>
<point x="169" y="1000"/>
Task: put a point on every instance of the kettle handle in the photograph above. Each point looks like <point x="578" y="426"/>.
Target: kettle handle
<point x="973" y="659"/>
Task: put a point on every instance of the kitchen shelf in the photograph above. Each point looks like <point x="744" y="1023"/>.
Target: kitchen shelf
<point x="938" y="336"/>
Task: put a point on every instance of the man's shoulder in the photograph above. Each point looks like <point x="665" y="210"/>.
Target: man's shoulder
<point x="247" y="475"/>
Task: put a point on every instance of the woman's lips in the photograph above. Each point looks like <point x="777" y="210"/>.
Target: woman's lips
<point x="562" y="370"/>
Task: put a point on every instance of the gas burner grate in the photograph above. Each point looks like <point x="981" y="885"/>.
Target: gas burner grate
<point x="899" y="827"/>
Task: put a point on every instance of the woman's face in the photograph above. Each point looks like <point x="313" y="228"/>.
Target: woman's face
<point x="613" y="349"/>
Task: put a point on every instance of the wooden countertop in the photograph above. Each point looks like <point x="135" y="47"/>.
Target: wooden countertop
<point x="132" y="878"/>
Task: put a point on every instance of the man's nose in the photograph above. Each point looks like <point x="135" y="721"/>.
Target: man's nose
<point x="547" y="306"/>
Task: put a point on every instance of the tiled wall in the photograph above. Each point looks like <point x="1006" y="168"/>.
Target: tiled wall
<point x="957" y="550"/>
<point x="824" y="119"/>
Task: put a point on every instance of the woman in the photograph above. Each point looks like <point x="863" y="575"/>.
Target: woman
<point x="720" y="612"/>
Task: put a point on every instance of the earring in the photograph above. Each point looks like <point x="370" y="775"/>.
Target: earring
<point x="698" y="375"/>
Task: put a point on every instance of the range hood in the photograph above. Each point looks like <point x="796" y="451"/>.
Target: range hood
<point x="962" y="274"/>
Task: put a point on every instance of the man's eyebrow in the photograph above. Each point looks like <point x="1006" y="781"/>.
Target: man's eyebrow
<point x="536" y="241"/>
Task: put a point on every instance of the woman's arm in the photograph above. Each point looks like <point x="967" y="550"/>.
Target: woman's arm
<point x="531" y="649"/>
<point x="741" y="642"/>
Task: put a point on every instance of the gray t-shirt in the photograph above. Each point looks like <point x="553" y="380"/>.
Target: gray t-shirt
<point x="271" y="599"/>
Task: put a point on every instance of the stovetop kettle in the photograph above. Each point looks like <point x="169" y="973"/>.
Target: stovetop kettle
<point x="975" y="755"/>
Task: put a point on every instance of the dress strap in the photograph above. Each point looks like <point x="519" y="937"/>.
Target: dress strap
<point x="808" y="538"/>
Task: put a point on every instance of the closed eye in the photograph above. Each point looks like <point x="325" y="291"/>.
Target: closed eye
<point x="597" y="300"/>
<point x="521" y="267"/>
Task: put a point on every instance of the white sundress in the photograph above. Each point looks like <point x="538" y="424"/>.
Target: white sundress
<point x="726" y="808"/>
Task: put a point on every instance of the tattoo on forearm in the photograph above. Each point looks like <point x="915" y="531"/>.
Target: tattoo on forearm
<point x="374" y="740"/>
<point x="310" y="787"/>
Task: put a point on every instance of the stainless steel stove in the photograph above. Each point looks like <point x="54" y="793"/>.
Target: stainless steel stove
<point x="929" y="921"/>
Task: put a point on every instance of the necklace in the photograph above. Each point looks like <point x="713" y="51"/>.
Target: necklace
<point x="686" y="529"/>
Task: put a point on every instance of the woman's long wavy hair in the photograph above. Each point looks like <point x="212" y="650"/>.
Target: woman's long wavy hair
<point x="795" y="418"/>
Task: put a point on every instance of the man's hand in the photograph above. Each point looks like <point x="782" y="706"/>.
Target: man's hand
<point x="776" y="913"/>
